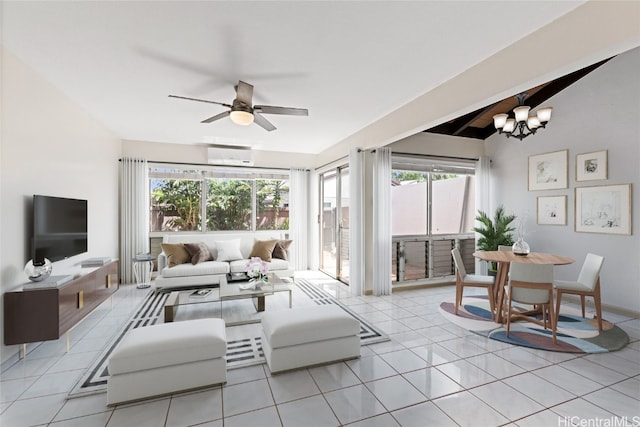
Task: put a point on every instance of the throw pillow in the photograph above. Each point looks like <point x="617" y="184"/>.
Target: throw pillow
<point x="281" y="248"/>
<point x="199" y="252"/>
<point x="263" y="249"/>
<point x="229" y="250"/>
<point x="176" y="253"/>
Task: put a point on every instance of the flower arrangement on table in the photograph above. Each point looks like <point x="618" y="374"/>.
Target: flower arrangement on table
<point x="257" y="270"/>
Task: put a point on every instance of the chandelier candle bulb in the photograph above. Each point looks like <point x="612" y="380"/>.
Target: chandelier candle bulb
<point x="522" y="113"/>
<point x="544" y="114"/>
<point x="533" y="122"/>
<point x="509" y="126"/>
<point x="499" y="120"/>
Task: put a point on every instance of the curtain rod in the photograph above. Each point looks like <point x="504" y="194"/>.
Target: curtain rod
<point x="334" y="161"/>
<point x="434" y="157"/>
<point x="210" y="165"/>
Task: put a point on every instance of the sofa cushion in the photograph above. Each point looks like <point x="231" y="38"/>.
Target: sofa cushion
<point x="281" y="248"/>
<point x="202" y="269"/>
<point x="228" y="250"/>
<point x="199" y="252"/>
<point x="176" y="253"/>
<point x="308" y="324"/>
<point x="263" y="249"/>
<point x="169" y="344"/>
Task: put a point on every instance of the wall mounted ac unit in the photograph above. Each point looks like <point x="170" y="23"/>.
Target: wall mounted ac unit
<point x="230" y="155"/>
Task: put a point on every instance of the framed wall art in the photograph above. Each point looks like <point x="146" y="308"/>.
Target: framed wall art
<point x="603" y="209"/>
<point x="552" y="210"/>
<point x="548" y="171"/>
<point x="591" y="166"/>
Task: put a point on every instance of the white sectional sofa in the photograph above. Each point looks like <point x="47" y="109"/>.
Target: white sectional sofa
<point x="209" y="272"/>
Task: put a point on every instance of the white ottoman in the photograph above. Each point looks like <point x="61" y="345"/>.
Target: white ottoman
<point x="166" y="358"/>
<point x="308" y="336"/>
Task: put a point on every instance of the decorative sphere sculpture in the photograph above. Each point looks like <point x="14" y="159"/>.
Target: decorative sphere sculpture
<point x="38" y="273"/>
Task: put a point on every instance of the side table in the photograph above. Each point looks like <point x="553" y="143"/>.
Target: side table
<point x="142" y="268"/>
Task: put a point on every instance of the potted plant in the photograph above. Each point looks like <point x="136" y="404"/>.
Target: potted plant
<point x="494" y="232"/>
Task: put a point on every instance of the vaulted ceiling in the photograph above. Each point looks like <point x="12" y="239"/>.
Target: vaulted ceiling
<point x="350" y="63"/>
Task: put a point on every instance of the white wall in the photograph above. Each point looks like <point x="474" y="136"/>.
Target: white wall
<point x="51" y="146"/>
<point x="432" y="144"/>
<point x="599" y="112"/>
<point x="183" y="153"/>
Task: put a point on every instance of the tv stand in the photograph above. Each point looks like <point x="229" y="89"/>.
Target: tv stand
<point x="44" y="314"/>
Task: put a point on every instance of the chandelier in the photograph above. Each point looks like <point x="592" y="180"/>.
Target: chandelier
<point x="525" y="123"/>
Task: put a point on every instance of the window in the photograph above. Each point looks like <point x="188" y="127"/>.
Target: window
<point x="431" y="198"/>
<point x="217" y="199"/>
<point x="229" y="204"/>
<point x="175" y="202"/>
<point x="433" y="205"/>
<point x="272" y="199"/>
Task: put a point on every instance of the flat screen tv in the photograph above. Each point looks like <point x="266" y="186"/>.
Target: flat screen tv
<point x="59" y="228"/>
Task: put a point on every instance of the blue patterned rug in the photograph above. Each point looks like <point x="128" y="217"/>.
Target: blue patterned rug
<point x="575" y="334"/>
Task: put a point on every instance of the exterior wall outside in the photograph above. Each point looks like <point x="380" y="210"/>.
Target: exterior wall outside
<point x="51" y="146"/>
<point x="409" y="207"/>
<point x="599" y="112"/>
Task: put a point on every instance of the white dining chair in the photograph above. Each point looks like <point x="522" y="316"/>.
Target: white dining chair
<point x="531" y="284"/>
<point x="588" y="284"/>
<point x="473" y="280"/>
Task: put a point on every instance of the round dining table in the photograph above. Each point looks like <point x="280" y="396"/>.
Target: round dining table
<point x="504" y="259"/>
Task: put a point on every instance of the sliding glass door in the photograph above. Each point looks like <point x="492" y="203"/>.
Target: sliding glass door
<point x="334" y="223"/>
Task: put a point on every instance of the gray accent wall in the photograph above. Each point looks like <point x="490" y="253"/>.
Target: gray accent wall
<point x="599" y="112"/>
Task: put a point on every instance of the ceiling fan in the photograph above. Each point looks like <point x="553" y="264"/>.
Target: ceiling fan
<point x="242" y="112"/>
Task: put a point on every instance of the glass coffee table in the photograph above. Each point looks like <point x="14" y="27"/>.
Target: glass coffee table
<point x="226" y="292"/>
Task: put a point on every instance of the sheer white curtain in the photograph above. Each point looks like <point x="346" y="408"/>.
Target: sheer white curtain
<point x="356" y="223"/>
<point x="299" y="217"/>
<point x="382" y="221"/>
<point x="482" y="199"/>
<point x="314" y="228"/>
<point x="134" y="213"/>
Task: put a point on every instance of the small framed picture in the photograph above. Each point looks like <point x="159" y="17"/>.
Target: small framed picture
<point x="591" y="166"/>
<point x="548" y="171"/>
<point x="552" y="210"/>
<point x="604" y="209"/>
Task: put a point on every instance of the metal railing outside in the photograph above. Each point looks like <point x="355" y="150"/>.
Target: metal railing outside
<point x="424" y="258"/>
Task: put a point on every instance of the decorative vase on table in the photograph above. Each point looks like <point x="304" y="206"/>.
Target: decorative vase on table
<point x="520" y="247"/>
<point x="258" y="272"/>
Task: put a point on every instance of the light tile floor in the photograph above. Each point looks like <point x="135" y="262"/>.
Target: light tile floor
<point x="431" y="373"/>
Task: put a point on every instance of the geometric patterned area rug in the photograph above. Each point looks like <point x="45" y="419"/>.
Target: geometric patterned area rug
<point x="241" y="352"/>
<point x="575" y="334"/>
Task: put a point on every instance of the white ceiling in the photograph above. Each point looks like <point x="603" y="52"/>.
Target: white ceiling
<point x="349" y="63"/>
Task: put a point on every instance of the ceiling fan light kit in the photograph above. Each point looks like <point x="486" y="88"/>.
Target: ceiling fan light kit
<point x="525" y="122"/>
<point x="242" y="118"/>
<point x="243" y="113"/>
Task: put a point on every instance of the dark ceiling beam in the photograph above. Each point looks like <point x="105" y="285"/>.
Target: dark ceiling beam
<point x="467" y="119"/>
<point x="461" y="125"/>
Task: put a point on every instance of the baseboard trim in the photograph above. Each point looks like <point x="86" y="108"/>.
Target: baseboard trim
<point x="15" y="357"/>
<point x="607" y="307"/>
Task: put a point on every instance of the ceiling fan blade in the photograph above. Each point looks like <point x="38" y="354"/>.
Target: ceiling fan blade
<point x="270" y="109"/>
<point x="216" y="117"/>
<point x="262" y="122"/>
<point x="200" y="100"/>
<point x="244" y="93"/>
